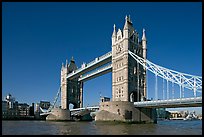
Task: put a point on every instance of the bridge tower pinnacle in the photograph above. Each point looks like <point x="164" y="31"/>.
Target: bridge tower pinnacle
<point x="114" y="35"/>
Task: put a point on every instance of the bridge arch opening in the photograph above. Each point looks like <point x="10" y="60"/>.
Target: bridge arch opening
<point x="96" y="88"/>
<point x="135" y="96"/>
<point x="72" y="105"/>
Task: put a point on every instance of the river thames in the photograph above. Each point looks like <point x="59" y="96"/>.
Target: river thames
<point x="168" y="127"/>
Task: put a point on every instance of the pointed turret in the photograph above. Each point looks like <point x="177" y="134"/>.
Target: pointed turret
<point x="143" y="35"/>
<point x="128" y="27"/>
<point x="62" y="65"/>
<point x="125" y="28"/>
<point x="66" y="61"/>
<point x="129" y="20"/>
<point x="66" y="65"/>
<point x="72" y="60"/>
<point x="72" y="65"/>
<point x="114" y="35"/>
<point x="114" y="31"/>
<point x="126" y="23"/>
<point x="144" y="44"/>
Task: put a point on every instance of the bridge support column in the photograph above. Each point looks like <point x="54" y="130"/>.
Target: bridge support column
<point x="126" y="112"/>
<point x="81" y="95"/>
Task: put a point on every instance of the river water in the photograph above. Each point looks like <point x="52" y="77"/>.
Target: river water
<point x="170" y="127"/>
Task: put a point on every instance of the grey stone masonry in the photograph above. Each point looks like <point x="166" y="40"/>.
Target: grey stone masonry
<point x="58" y="114"/>
<point x="125" y="111"/>
<point x="71" y="90"/>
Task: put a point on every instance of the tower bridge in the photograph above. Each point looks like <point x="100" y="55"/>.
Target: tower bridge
<point x="129" y="65"/>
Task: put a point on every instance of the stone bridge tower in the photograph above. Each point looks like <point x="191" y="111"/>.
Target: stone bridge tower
<point x="71" y="90"/>
<point x="128" y="77"/>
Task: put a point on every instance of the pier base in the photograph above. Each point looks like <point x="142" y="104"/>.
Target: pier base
<point x="83" y="115"/>
<point x="126" y="112"/>
<point x="58" y="114"/>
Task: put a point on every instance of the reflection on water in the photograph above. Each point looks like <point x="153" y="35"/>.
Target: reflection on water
<point x="101" y="128"/>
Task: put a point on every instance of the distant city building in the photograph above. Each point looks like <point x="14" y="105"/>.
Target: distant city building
<point x="37" y="111"/>
<point x="31" y="110"/>
<point x="37" y="107"/>
<point x="23" y="109"/>
<point x="11" y="109"/>
<point x="4" y="109"/>
<point x="184" y="115"/>
<point x="175" y="114"/>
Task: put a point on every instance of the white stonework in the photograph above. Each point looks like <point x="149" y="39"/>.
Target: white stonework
<point x="128" y="77"/>
<point x="71" y="90"/>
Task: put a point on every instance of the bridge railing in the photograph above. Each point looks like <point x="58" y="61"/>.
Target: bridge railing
<point x="77" y="109"/>
<point x="90" y="63"/>
<point x="95" y="72"/>
<point x="105" y="55"/>
<point x="194" y="100"/>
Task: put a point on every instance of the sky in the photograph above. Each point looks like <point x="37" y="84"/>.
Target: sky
<point x="38" y="36"/>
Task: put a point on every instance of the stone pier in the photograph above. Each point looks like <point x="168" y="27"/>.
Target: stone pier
<point x="58" y="114"/>
<point x="126" y="112"/>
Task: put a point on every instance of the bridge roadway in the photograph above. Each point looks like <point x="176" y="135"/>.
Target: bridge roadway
<point x="99" y="61"/>
<point x="169" y="103"/>
<point x="103" y="70"/>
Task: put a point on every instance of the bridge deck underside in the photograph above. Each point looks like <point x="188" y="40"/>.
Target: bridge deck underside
<point x="96" y="73"/>
<point x="90" y="68"/>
